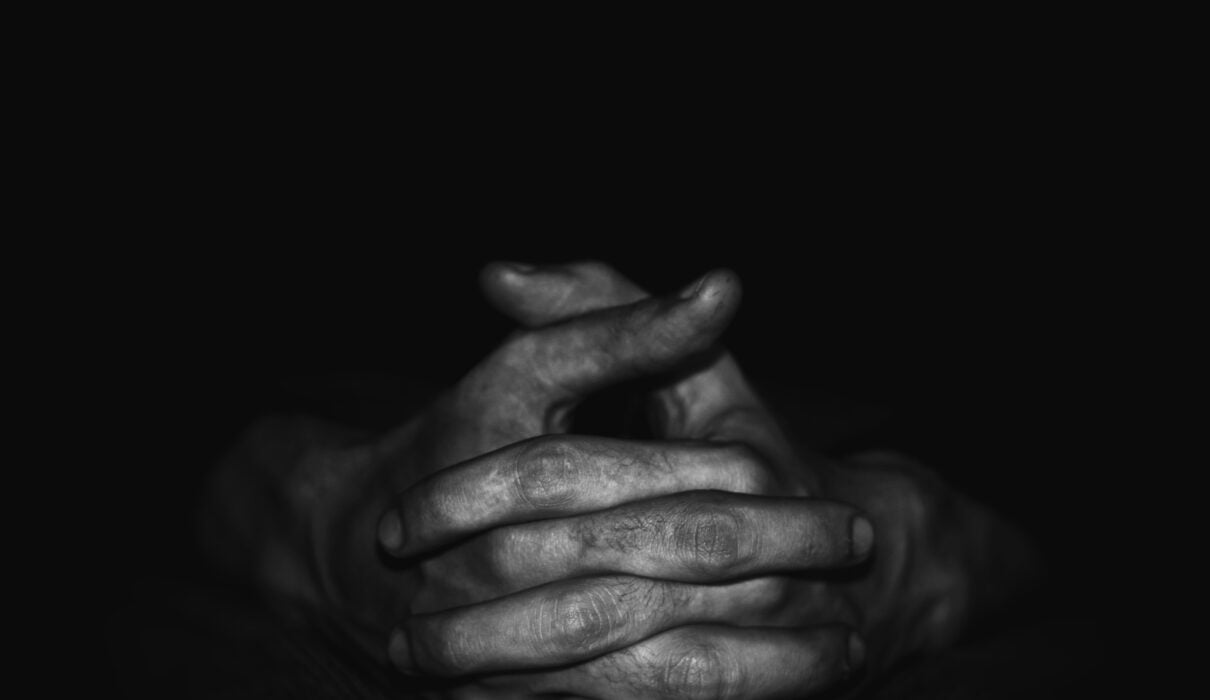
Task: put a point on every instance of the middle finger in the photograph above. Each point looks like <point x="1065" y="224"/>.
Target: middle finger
<point x="555" y="476"/>
<point x="698" y="536"/>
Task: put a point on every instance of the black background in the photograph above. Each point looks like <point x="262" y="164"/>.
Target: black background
<point x="981" y="353"/>
<point x="928" y="268"/>
<point x="970" y="354"/>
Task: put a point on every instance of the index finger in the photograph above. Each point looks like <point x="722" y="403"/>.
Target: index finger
<point x="714" y="402"/>
<point x="555" y="476"/>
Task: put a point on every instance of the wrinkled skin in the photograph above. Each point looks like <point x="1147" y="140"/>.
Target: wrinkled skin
<point x="481" y="544"/>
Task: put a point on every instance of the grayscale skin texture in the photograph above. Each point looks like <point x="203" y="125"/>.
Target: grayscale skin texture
<point x="481" y="544"/>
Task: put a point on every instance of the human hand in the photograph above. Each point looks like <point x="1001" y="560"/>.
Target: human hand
<point x="942" y="559"/>
<point x="316" y="548"/>
<point x="335" y="491"/>
<point x="598" y="571"/>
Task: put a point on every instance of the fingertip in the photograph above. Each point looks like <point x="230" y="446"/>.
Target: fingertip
<point x="861" y="534"/>
<point x="711" y="303"/>
<point x="721" y="282"/>
<point x="719" y="287"/>
<point x="856" y="653"/>
<point x="504" y="272"/>
<point x="509" y="286"/>
<point x="491" y="279"/>
<point x="399" y="652"/>
<point x="691" y="290"/>
<point x="390" y="532"/>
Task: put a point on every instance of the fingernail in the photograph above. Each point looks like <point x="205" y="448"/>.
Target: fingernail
<point x="390" y="531"/>
<point x="856" y="651"/>
<point x="692" y="288"/>
<point x="861" y="536"/>
<point x="400" y="653"/>
<point x="519" y="268"/>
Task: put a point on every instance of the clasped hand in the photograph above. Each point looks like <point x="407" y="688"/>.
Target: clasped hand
<point x="482" y="544"/>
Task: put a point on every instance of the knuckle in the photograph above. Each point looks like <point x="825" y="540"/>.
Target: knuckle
<point x="707" y="539"/>
<point x="543" y="473"/>
<point x="583" y="618"/>
<point x="696" y="671"/>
